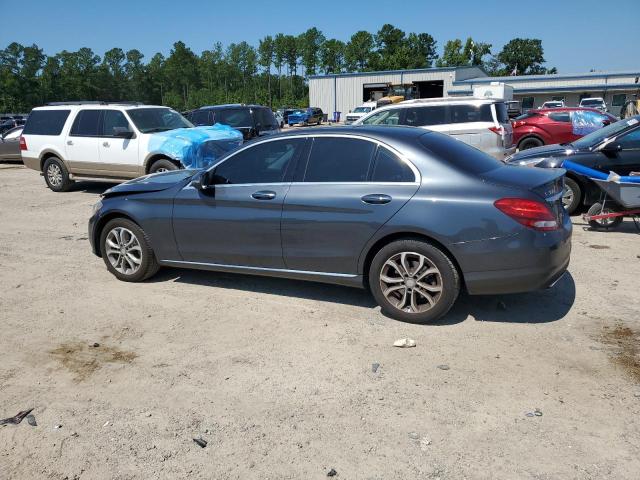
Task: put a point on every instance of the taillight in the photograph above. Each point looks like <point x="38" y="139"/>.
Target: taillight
<point x="23" y="143"/>
<point x="497" y="130"/>
<point x="530" y="213"/>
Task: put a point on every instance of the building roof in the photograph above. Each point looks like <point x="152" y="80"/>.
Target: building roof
<point x="397" y="72"/>
<point x="555" y="76"/>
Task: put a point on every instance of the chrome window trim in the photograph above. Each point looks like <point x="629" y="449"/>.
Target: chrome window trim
<point x="261" y="269"/>
<point x="402" y="157"/>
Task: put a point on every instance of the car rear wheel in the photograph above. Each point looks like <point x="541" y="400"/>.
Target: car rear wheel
<point x="56" y="175"/>
<point x="571" y="195"/>
<point x="162" y="165"/>
<point x="603" y="223"/>
<point x="530" y="142"/>
<point x="413" y="281"/>
<point x="126" y="251"/>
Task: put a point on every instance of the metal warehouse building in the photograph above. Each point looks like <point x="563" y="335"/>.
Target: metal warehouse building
<point x="343" y="92"/>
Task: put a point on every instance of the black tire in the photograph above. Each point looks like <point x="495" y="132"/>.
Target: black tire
<point x="448" y="281"/>
<point x="572" y="195"/>
<point x="56" y="175"/>
<point x="530" y="142"/>
<point x="163" y="165"/>
<point x="604" y="223"/>
<point x="148" y="265"/>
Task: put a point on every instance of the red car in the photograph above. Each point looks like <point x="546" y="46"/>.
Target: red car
<point x="556" y="125"/>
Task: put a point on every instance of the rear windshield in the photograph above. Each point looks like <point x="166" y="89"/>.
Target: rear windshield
<point x="459" y="154"/>
<point x="46" y="122"/>
<point x="591" y="103"/>
<point x="238" y="117"/>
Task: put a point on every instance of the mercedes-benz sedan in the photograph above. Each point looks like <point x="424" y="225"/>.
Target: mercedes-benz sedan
<point x="414" y="216"/>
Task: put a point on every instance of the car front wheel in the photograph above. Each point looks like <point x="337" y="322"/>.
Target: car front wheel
<point x="571" y="195"/>
<point x="126" y="251"/>
<point x="162" y="165"/>
<point x="413" y="281"/>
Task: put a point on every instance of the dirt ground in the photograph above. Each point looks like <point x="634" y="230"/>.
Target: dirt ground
<point x="277" y="376"/>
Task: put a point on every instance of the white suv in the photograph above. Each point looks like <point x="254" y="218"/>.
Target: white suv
<point x="481" y="123"/>
<point x="595" y="102"/>
<point x="97" y="140"/>
<point x="359" y="112"/>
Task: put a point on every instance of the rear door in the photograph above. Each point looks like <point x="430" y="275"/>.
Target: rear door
<point x="560" y="127"/>
<point x="348" y="188"/>
<point x="82" y="151"/>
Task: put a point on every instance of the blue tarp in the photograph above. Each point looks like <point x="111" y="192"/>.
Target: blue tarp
<point x="197" y="147"/>
<point x="584" y="122"/>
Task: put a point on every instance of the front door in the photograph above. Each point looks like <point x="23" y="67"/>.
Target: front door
<point x="118" y="156"/>
<point x="628" y="159"/>
<point x="237" y="222"/>
<point x="348" y="190"/>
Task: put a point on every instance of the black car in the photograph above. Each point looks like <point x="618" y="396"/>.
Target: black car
<point x="614" y="148"/>
<point x="251" y="120"/>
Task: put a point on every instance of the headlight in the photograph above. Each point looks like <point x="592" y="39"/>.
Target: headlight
<point x="531" y="162"/>
<point x="97" y="206"/>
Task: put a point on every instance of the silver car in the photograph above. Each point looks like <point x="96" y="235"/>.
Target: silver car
<point x="481" y="123"/>
<point x="10" y="144"/>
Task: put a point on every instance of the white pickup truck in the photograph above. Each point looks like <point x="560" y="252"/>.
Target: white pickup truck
<point x="359" y="112"/>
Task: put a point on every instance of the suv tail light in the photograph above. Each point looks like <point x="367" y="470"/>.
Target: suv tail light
<point x="497" y="130"/>
<point x="530" y="213"/>
<point x="23" y="143"/>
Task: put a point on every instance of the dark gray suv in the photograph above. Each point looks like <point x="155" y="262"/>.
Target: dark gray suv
<point x="414" y="216"/>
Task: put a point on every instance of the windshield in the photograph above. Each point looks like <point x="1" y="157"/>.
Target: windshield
<point x="591" y="103"/>
<point x="151" y="120"/>
<point x="236" y="118"/>
<point x="362" y="110"/>
<point x="594" y="138"/>
<point x="298" y="112"/>
<point x="552" y="104"/>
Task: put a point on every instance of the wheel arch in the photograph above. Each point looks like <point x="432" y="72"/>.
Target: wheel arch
<point x="151" y="159"/>
<point x="97" y="231"/>
<point x="529" y="135"/>
<point x="47" y="154"/>
<point x="392" y="237"/>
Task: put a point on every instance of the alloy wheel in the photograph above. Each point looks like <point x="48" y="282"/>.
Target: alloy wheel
<point x="123" y="250"/>
<point x="411" y="282"/>
<point x="567" y="196"/>
<point x="54" y="175"/>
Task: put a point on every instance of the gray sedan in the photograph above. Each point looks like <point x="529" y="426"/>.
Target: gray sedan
<point x="10" y="144"/>
<point x="413" y="216"/>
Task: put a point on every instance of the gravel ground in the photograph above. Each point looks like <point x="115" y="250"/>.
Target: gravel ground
<point x="277" y="376"/>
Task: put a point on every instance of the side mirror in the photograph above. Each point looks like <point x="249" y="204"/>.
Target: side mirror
<point x="611" y="148"/>
<point x="122" y="132"/>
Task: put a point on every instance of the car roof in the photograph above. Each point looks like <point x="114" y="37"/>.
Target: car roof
<point x="566" y="109"/>
<point x="390" y="133"/>
<point x="98" y="106"/>
<point x="448" y="100"/>
<point x="229" y="105"/>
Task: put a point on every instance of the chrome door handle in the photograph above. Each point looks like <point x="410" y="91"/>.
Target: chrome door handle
<point x="69" y="142"/>
<point x="376" y="199"/>
<point x="105" y="144"/>
<point x="264" y="195"/>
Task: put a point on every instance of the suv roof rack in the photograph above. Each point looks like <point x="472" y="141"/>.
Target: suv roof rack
<point x="92" y="102"/>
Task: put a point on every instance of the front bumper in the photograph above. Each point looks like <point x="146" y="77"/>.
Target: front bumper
<point x="93" y="223"/>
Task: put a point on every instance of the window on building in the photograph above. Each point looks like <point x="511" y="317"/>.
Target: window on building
<point x="528" y="102"/>
<point x="618" y="100"/>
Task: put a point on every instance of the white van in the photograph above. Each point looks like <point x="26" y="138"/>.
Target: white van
<point x="481" y="123"/>
<point x="359" y="112"/>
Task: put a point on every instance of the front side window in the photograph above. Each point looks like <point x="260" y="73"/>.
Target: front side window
<point x="265" y="162"/>
<point x="388" y="167"/>
<point x="618" y="100"/>
<point x="46" y="122"/>
<point x="86" y="124"/>
<point x="152" y="120"/>
<point x="339" y="160"/>
<point x="112" y="120"/>
<point x="386" y="117"/>
<point x="630" y="141"/>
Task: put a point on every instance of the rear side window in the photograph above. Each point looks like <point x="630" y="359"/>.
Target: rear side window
<point x="459" y="154"/>
<point x="339" y="160"/>
<point x="560" y="117"/>
<point x="86" y="124"/>
<point x="46" y="122"/>
<point x="425" y="116"/>
<point x="238" y="117"/>
<point x="389" y="167"/>
<point x="200" y="117"/>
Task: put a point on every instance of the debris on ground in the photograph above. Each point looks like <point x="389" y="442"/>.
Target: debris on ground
<point x="15" y="420"/>
<point x="424" y="444"/>
<point x="375" y="367"/>
<point x="404" y="343"/>
<point x="57" y="426"/>
<point x="332" y="473"/>
<point x="414" y="435"/>
<point x="201" y="442"/>
<point x="536" y="413"/>
<point x="31" y="420"/>
<point x="106" y="423"/>
<point x="443" y="367"/>
<point x="94" y="345"/>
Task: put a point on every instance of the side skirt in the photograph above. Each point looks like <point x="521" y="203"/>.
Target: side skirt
<point x="345" y="279"/>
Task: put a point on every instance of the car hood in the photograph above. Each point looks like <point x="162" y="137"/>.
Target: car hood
<point x="155" y="182"/>
<point x="540" y="153"/>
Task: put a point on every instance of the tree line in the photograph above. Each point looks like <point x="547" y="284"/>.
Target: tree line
<point x="274" y="72"/>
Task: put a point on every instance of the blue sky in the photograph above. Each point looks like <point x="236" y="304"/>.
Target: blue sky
<point x="577" y="35"/>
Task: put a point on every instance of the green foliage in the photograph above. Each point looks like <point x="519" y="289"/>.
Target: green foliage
<point x="274" y="73"/>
